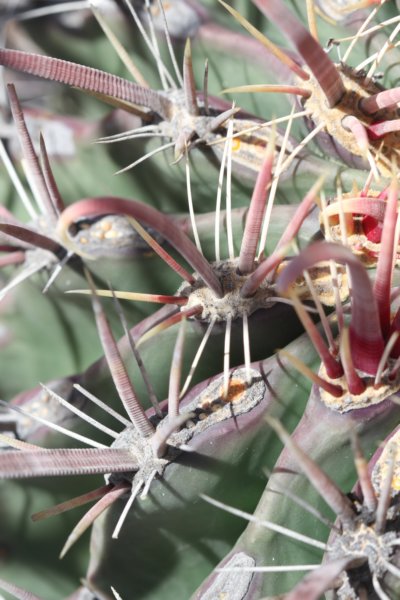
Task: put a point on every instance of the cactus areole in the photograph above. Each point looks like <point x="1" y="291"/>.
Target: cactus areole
<point x="341" y="120"/>
<point x="347" y="104"/>
<point x="232" y="304"/>
<point x="204" y="411"/>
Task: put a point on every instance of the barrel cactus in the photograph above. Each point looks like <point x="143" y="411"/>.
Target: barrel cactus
<point x="154" y="340"/>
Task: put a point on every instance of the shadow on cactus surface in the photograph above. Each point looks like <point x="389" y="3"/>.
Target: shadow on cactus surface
<point x="252" y="147"/>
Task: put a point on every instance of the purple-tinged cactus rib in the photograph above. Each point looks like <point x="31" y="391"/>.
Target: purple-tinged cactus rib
<point x="316" y="59"/>
<point x="92" y="514"/>
<point x="150" y="216"/>
<point x="314" y="584"/>
<point x="85" y="78"/>
<point x="15" y="464"/>
<point x="189" y="85"/>
<point x="256" y="213"/>
<point x="366" y="342"/>
<point x="384" y="268"/>
<point x="118" y="371"/>
<point x="28" y="151"/>
<point x="332" y="431"/>
<point x="333" y="496"/>
<point x="72" y="503"/>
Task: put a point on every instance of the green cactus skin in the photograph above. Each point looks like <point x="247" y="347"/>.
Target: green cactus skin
<point x="49" y="337"/>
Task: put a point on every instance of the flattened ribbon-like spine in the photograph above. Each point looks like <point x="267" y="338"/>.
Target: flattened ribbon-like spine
<point x="85" y="78"/>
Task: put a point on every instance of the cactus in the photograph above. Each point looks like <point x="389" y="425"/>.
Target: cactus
<point x="245" y="179"/>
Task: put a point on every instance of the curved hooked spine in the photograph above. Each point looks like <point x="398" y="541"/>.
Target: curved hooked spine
<point x="150" y="216"/>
